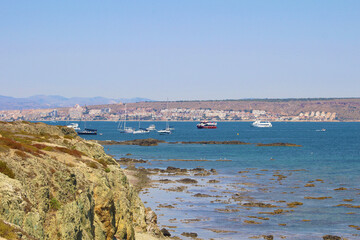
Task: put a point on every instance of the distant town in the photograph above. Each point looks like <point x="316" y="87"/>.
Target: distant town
<point x="117" y="113"/>
<point x="336" y="109"/>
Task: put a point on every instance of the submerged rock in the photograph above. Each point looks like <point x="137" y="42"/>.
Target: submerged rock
<point x="331" y="237"/>
<point x="189" y="234"/>
<point x="294" y="204"/>
<point x="260" y="205"/>
<point x="187" y="181"/>
<point x="217" y="142"/>
<point x="213" y="181"/>
<point x="201" y="195"/>
<point x="277" y="145"/>
<point x="131" y="160"/>
<point x="268" y="237"/>
<point x="140" y="142"/>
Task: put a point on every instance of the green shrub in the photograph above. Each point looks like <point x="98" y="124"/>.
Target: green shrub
<point x="6" y="170"/>
<point x="55" y="204"/>
<point x="107" y="170"/>
<point x="7" y="231"/>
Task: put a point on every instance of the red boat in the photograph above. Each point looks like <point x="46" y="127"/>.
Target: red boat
<point x="206" y="124"/>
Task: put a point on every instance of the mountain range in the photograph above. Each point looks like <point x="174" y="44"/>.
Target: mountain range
<point x="54" y="101"/>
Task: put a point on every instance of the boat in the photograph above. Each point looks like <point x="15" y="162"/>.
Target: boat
<point x="151" y="128"/>
<point x="164" y="131"/>
<point x="126" y="130"/>
<point x="141" y="131"/>
<point x="167" y="130"/>
<point x="87" y="131"/>
<point x="207" y="125"/>
<point x="321" y="130"/>
<point x="122" y="126"/>
<point x="74" y="126"/>
<point x="260" y="123"/>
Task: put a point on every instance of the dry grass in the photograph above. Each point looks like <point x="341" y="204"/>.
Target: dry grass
<point x="102" y="162"/>
<point x="72" y="152"/>
<point x="20" y="154"/>
<point x="21" y="146"/>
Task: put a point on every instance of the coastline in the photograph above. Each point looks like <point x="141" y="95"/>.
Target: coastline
<point x="56" y="185"/>
<point x="249" y="121"/>
<point x="187" y="187"/>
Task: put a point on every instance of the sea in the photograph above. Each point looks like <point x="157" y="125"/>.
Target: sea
<point x="322" y="178"/>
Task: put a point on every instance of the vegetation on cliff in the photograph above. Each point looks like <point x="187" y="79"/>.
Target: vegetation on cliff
<point x="55" y="185"/>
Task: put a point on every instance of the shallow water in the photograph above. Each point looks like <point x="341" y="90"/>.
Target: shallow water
<point x="332" y="156"/>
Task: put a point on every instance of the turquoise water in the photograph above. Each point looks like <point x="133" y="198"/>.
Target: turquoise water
<point x="332" y="156"/>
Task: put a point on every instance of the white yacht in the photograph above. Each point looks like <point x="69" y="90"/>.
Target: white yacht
<point x="151" y="128"/>
<point x="260" y="123"/>
<point x="165" y="131"/>
<point x="126" y="130"/>
<point x="74" y="126"/>
<point x="141" y="131"/>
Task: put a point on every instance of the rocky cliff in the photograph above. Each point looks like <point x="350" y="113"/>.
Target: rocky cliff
<point x="55" y="185"/>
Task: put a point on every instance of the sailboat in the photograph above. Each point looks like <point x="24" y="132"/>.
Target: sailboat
<point x="87" y="131"/>
<point x="167" y="130"/>
<point x="141" y="130"/>
<point x="122" y="126"/>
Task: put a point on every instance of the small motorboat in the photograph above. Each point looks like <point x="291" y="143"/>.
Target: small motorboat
<point x="151" y="128"/>
<point x="74" y="126"/>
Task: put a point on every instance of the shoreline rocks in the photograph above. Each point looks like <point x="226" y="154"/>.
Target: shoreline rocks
<point x="155" y="142"/>
<point x="65" y="187"/>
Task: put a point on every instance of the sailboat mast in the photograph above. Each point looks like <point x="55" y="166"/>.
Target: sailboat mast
<point x="167" y="115"/>
<point x="125" y="118"/>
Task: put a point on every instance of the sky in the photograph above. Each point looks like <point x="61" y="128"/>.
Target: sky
<point x="180" y="49"/>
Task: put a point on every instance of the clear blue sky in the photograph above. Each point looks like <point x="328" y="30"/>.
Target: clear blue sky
<point x="180" y="49"/>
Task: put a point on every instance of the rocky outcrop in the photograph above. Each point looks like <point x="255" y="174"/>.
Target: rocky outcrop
<point x="64" y="187"/>
<point x="277" y="145"/>
<point x="140" y="142"/>
<point x="155" y="142"/>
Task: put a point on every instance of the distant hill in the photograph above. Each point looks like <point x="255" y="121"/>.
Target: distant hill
<point x="346" y="108"/>
<point x="53" y="101"/>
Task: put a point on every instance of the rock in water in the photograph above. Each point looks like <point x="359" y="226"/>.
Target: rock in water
<point x="165" y="232"/>
<point x="192" y="235"/>
<point x="269" y="237"/>
<point x="331" y="237"/>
